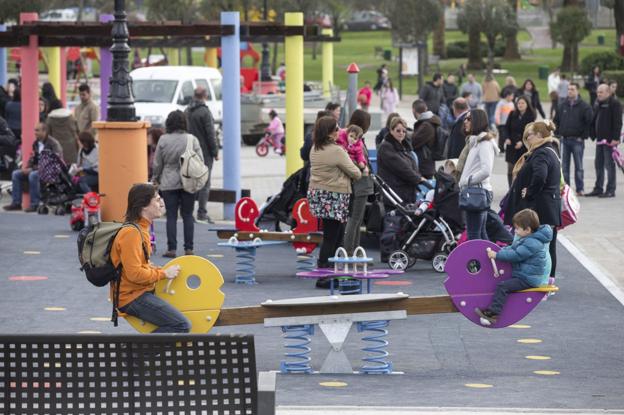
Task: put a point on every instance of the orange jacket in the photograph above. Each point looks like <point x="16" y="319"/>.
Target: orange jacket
<point x="137" y="274"/>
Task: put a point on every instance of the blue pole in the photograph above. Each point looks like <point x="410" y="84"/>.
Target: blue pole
<point x="230" y="62"/>
<point x="3" y="61"/>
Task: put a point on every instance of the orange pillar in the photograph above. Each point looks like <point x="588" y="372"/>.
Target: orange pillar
<point x="29" y="72"/>
<point x="123" y="162"/>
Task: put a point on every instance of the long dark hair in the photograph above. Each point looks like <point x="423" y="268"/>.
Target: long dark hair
<point x="361" y="118"/>
<point x="139" y="196"/>
<point x="323" y="127"/>
<point x="478" y="122"/>
<point x="529" y="109"/>
<point x="176" y="121"/>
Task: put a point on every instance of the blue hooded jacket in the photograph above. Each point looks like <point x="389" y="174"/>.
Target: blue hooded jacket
<point x="529" y="257"/>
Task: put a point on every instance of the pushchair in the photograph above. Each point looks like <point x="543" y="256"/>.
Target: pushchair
<point x="278" y="208"/>
<point x="432" y="235"/>
<point x="57" y="189"/>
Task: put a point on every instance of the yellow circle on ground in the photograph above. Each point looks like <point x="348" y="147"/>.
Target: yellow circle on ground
<point x="61" y="236"/>
<point x="520" y="326"/>
<point x="478" y="385"/>
<point x="333" y="384"/>
<point x="32" y="252"/>
<point x="54" y="309"/>
<point x="100" y="319"/>
<point x="529" y="341"/>
<point x="537" y="357"/>
<point x="546" y="372"/>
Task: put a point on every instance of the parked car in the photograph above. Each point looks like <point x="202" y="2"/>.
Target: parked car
<point x="320" y="19"/>
<point x="367" y="20"/>
<point x="158" y="90"/>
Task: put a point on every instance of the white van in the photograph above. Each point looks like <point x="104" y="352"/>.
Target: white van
<point x="158" y="90"/>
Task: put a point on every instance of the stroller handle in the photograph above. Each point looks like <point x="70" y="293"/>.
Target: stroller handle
<point x="387" y="190"/>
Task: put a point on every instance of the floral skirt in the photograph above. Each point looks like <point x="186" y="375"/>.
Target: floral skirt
<point x="329" y="205"/>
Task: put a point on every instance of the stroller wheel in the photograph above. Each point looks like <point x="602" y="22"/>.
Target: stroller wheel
<point x="399" y="260"/>
<point x="262" y="149"/>
<point x="439" y="261"/>
<point x="60" y="211"/>
<point x="42" y="210"/>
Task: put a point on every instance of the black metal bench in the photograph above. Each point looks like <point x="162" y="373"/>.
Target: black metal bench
<point x="132" y="374"/>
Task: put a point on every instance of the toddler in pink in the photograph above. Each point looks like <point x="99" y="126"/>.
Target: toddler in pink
<point x="351" y="140"/>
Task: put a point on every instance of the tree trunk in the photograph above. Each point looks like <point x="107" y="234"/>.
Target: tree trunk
<point x="618" y="14"/>
<point x="512" y="51"/>
<point x="490" y="62"/>
<point x="439" y="44"/>
<point x="474" y="49"/>
<point x="566" y="61"/>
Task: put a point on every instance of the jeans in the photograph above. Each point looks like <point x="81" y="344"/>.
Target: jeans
<point x="573" y="147"/>
<point x="352" y="233"/>
<point x="332" y="229"/>
<point x="154" y="310"/>
<point x="475" y="225"/>
<point x="87" y="182"/>
<point x="603" y="161"/>
<point x="503" y="289"/>
<point x="490" y="109"/>
<point x="33" y="186"/>
<point x="179" y="200"/>
<point x="202" y="197"/>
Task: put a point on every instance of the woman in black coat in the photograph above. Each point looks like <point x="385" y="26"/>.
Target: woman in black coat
<point x="528" y="90"/>
<point x="396" y="164"/>
<point x="537" y="180"/>
<point x="514" y="129"/>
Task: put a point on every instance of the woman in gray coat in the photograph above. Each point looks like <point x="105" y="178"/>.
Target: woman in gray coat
<point x="166" y="174"/>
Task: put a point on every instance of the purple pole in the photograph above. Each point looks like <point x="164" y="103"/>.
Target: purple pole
<point x="106" y="71"/>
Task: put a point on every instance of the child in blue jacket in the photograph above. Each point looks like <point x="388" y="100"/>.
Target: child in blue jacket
<point x="530" y="262"/>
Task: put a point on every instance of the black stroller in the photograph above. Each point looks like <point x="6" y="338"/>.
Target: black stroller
<point x="278" y="208"/>
<point x="432" y="235"/>
<point x="57" y="189"/>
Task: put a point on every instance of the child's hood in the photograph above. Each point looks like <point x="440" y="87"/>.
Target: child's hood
<point x="543" y="234"/>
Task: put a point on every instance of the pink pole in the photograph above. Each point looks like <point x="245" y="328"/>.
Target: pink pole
<point x="63" y="91"/>
<point x="30" y="92"/>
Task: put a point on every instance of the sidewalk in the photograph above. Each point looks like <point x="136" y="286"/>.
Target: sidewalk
<point x="353" y="410"/>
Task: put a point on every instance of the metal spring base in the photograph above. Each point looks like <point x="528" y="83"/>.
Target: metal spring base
<point x="376" y="350"/>
<point x="245" y="265"/>
<point x="296" y="343"/>
<point x="306" y="263"/>
<point x="347" y="286"/>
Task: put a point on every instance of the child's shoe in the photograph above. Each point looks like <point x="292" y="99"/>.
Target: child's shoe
<point x="487" y="317"/>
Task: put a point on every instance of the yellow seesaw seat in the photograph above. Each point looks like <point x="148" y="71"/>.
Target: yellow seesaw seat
<point x="541" y="289"/>
<point x="195" y="292"/>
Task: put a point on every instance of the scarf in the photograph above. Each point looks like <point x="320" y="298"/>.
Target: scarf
<point x="538" y="127"/>
<point x="461" y="161"/>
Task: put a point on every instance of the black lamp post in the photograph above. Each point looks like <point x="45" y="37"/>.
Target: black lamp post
<point x="265" y="67"/>
<point x="120" y="100"/>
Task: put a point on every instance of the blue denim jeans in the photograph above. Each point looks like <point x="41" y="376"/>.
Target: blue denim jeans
<point x="33" y="186"/>
<point x="185" y="202"/>
<point x="503" y="289"/>
<point x="573" y="147"/>
<point x="475" y="225"/>
<point x="87" y="182"/>
<point x="154" y="310"/>
<point x="490" y="109"/>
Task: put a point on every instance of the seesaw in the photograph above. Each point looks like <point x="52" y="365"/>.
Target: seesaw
<point x="247" y="237"/>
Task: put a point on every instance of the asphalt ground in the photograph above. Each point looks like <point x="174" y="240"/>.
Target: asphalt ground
<point x="581" y="328"/>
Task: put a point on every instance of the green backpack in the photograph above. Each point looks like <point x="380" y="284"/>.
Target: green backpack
<point x="94" y="248"/>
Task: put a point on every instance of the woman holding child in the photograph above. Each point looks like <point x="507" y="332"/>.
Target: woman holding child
<point x="537" y="179"/>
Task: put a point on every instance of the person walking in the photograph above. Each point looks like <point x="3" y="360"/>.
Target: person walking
<point x="562" y="90"/>
<point x="201" y="125"/>
<point x="329" y="191"/>
<point x="87" y="111"/>
<point x="130" y="251"/>
<point x="591" y="84"/>
<point x="432" y="93"/>
<point x="529" y="91"/>
<point x="451" y="92"/>
<point x="364" y="96"/>
<point x="510" y="85"/>
<point x="491" y="96"/>
<point x="13" y="114"/>
<point x="475" y="164"/>
<point x="166" y="174"/>
<point x="606" y="127"/>
<point x="424" y="137"/>
<point x="62" y="126"/>
<point x="514" y="130"/>
<point x="389" y="98"/>
<point x="553" y="87"/>
<point x="504" y="107"/>
<point x="573" y="121"/>
<point x="536" y="181"/>
<point x="473" y="88"/>
<point x="457" y="136"/>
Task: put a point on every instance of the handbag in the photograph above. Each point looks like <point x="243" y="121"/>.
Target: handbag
<point x="570" y="206"/>
<point x="474" y="198"/>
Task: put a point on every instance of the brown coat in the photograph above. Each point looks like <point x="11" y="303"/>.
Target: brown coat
<point x="62" y="126"/>
<point x="331" y="169"/>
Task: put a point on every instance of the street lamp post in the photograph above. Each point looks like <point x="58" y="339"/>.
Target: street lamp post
<point x="265" y="68"/>
<point x="120" y="100"/>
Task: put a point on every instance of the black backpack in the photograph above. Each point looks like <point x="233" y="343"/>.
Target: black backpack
<point x="440" y="148"/>
<point x="94" y="247"/>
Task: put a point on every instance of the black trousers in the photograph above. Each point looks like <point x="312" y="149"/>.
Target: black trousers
<point x="552" y="249"/>
<point x="332" y="233"/>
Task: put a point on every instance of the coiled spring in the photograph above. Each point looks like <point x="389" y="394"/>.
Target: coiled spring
<point x="306" y="263"/>
<point x="296" y="341"/>
<point x="375" y="360"/>
<point x="245" y="265"/>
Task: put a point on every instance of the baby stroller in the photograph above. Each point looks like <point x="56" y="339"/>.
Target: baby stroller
<point x="57" y="189"/>
<point x="278" y="208"/>
<point x="408" y="237"/>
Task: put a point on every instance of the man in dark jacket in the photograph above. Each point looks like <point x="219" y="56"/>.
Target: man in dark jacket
<point x="457" y="138"/>
<point x="433" y="94"/>
<point x="8" y="145"/>
<point x="451" y="91"/>
<point x="43" y="142"/>
<point x="606" y="127"/>
<point x="573" y="119"/>
<point x="424" y="137"/>
<point x="201" y="125"/>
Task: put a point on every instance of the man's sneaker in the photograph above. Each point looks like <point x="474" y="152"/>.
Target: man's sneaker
<point x="12" y="206"/>
<point x="188" y="252"/>
<point x="607" y="194"/>
<point x="169" y="254"/>
<point x="204" y="219"/>
<point x="487" y="317"/>
<point x="595" y="192"/>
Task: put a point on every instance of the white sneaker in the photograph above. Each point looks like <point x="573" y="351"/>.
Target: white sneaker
<point x="485" y="322"/>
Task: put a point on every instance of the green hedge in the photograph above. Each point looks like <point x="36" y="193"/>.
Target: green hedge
<point x="459" y="49"/>
<point x="617" y="76"/>
<point x="604" y="60"/>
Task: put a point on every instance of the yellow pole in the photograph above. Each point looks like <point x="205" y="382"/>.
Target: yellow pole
<point x="210" y="58"/>
<point x="54" y="68"/>
<point x="328" y="63"/>
<point x="294" y="94"/>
